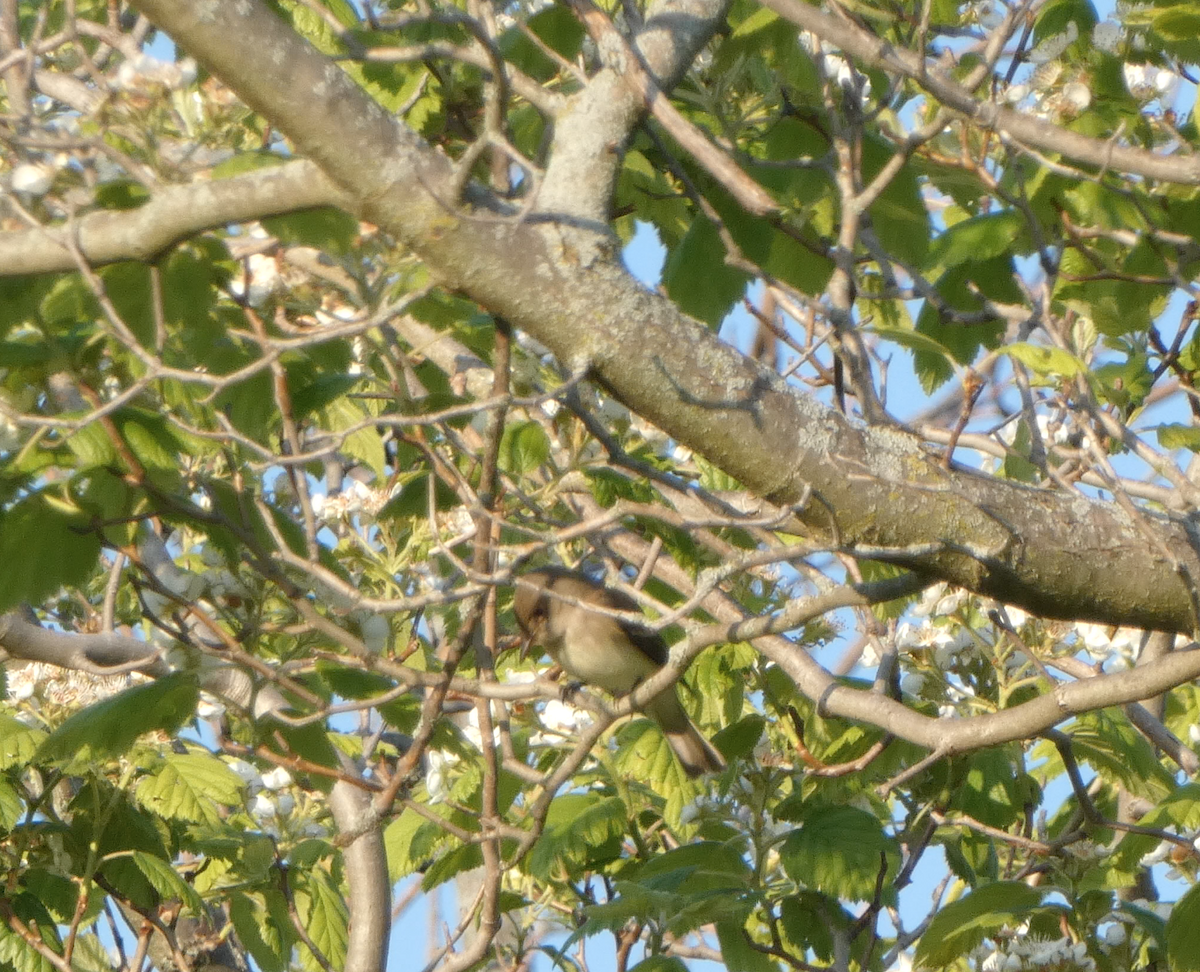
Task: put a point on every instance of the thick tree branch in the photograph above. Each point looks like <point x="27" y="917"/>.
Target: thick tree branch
<point x="173" y="214"/>
<point x="366" y="870"/>
<point x="106" y="653"/>
<point x="876" y="490"/>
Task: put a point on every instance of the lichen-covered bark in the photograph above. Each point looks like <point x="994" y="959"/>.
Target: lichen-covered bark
<point x="873" y="490"/>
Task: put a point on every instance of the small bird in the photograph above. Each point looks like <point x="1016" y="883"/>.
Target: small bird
<point x="611" y="653"/>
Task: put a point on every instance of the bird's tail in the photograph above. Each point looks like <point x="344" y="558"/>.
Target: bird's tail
<point x="697" y="755"/>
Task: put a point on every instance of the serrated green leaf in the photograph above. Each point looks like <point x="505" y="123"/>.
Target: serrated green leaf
<point x="913" y="340"/>
<point x="166" y="881"/>
<point x="189" y="786"/>
<point x="320" y="393"/>
<point x="963" y="924"/>
<point x="578" y="824"/>
<point x="18" y="742"/>
<point x="326" y="920"/>
<point x="121" y="194"/>
<point x="839" y="850"/>
<point x="660" y="963"/>
<point x="246" y="162"/>
<point x="736" y="952"/>
<point x="257" y="932"/>
<point x="92" y="446"/>
<point x="413" y="498"/>
<point x="1045" y="360"/>
<point x="761" y="18"/>
<point x="524" y="446"/>
<point x="90" y="955"/>
<point x="697" y="277"/>
<point x="325" y="228"/>
<point x="110" y="727"/>
<point x="1108" y="742"/>
<point x="17" y="953"/>
<point x="1183" y="933"/>
<point x="411" y="841"/>
<point x="1178" y="437"/>
<point x="11" y="806"/>
<point x="1180" y="21"/>
<point x="977" y="238"/>
<point x="43" y="548"/>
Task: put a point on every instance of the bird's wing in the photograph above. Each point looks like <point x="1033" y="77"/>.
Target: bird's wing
<point x="649" y="643"/>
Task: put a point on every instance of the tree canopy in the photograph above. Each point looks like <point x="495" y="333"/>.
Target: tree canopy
<point x="316" y="332"/>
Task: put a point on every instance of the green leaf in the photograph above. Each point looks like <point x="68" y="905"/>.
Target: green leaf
<point x="557" y="28"/>
<point x="166" y="881"/>
<point x="913" y="340"/>
<point x="411" y="840"/>
<point x="736" y="952"/>
<point x="1046" y="360"/>
<point x="839" y="850"/>
<point x="326" y="229"/>
<point x="1124" y="384"/>
<point x="246" y="162"/>
<point x="413" y="498"/>
<point x="92" y="446"/>
<point x="1174" y="436"/>
<point x="18" y="742"/>
<point x="43" y="548"/>
<point x="808" y="918"/>
<point x="326" y="921"/>
<point x="352" y="683"/>
<point x="258" y="933"/>
<point x="898" y="216"/>
<point x="1183" y="933"/>
<point x="153" y="440"/>
<point x="761" y="18"/>
<point x="957" y="288"/>
<point x="697" y="277"/>
<point x="1107" y="741"/>
<point x="660" y="963"/>
<point x="11" y="807"/>
<point x="579" y="827"/>
<point x="963" y="924"/>
<point x="189" y="786"/>
<point x="524" y="446"/>
<point x="977" y="238"/>
<point x="17" y="953"/>
<point x="121" y="194"/>
<point x="109" y="728"/>
<point x="320" y="392"/>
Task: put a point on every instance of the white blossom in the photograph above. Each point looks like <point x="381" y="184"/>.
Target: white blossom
<point x="563" y="717"/>
<point x="33" y="178"/>
<point x="248" y="773"/>
<point x="1106" y="35"/>
<point x="1050" y="48"/>
<point x="1077" y="94"/>
<point x="262" y="272"/>
<point x="262" y="806"/>
<point x="438" y="762"/>
<point x="1158" y="855"/>
<point x="1147" y="82"/>
<point x="277" y="778"/>
<point x="1016" y="93"/>
<point x="146" y="71"/>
